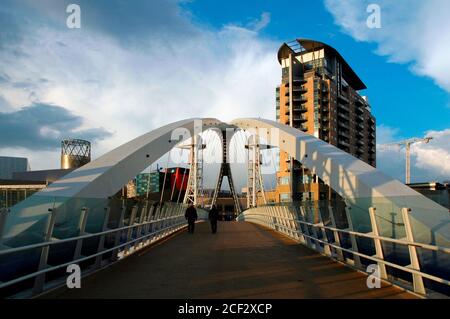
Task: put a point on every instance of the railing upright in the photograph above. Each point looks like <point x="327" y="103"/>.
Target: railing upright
<point x="302" y="216"/>
<point x="132" y="222"/>
<point x="377" y="242"/>
<point x="39" y="281"/>
<point x="419" y="286"/>
<point x="119" y="233"/>
<point x="81" y="231"/>
<point x="101" y="242"/>
<point x="356" y="259"/>
<point x="3" y="217"/>
<point x="326" y="247"/>
<point x="337" y="239"/>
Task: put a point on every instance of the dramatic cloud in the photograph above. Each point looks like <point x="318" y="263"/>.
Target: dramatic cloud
<point x="131" y="68"/>
<point x="429" y="162"/>
<point x="415" y="32"/>
<point x="41" y="127"/>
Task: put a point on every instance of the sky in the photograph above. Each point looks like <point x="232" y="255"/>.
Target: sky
<point x="134" y="66"/>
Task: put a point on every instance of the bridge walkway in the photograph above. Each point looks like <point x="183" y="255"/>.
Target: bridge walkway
<point x="242" y="260"/>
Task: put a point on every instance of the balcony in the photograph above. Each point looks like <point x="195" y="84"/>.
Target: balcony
<point x="300" y="118"/>
<point x="325" y="100"/>
<point x="300" y="88"/>
<point x="301" y="99"/>
<point x="360" y="125"/>
<point x="344" y="116"/>
<point x="343" y="98"/>
<point x="299" y="80"/>
<point x="301" y="126"/>
<point x="359" y="110"/>
<point x="359" y="118"/>
<point x="287" y="112"/>
<point x="343" y="143"/>
<point x="299" y="109"/>
<point x="342" y="133"/>
<point x="343" y="107"/>
<point x="344" y="125"/>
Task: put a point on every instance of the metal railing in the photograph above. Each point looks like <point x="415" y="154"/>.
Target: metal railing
<point x="292" y="222"/>
<point x="143" y="229"/>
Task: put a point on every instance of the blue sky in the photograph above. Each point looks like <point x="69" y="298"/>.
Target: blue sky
<point x="400" y="99"/>
<point x="149" y="59"/>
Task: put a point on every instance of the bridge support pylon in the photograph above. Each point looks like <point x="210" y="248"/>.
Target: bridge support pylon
<point x="254" y="178"/>
<point x="225" y="170"/>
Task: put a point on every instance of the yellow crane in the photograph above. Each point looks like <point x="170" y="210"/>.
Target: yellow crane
<point x="408" y="144"/>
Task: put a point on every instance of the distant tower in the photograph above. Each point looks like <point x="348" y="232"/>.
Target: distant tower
<point x="75" y="153"/>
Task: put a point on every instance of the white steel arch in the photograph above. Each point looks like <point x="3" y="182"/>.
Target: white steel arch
<point x="92" y="184"/>
<point x="354" y="180"/>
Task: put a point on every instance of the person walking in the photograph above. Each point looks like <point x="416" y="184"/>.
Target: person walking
<point x="213" y="216"/>
<point x="191" y="216"/>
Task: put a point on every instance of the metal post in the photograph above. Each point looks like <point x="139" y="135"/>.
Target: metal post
<point x="40" y="279"/>
<point x="407" y="173"/>
<point x="101" y="243"/>
<point x="3" y="216"/>
<point x="419" y="287"/>
<point x="309" y="241"/>
<point x="140" y="230"/>
<point x="356" y="258"/>
<point x="377" y="242"/>
<point x="81" y="229"/>
<point x="131" y="229"/>
<point x="119" y="233"/>
<point x="337" y="240"/>
<point x="326" y="247"/>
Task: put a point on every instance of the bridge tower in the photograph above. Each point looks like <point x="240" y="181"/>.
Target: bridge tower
<point x="194" y="189"/>
<point x="225" y="170"/>
<point x="254" y="178"/>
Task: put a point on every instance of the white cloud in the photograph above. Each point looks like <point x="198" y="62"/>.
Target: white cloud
<point x="414" y="31"/>
<point x="429" y="162"/>
<point x="131" y="89"/>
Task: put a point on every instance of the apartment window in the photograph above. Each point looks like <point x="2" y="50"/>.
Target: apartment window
<point x="285" y="197"/>
<point x="284" y="180"/>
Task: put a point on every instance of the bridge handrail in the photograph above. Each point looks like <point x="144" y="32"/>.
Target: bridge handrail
<point x="255" y="215"/>
<point x="378" y="260"/>
<point x="53" y="268"/>
<point x="81" y="237"/>
<point x="144" y="235"/>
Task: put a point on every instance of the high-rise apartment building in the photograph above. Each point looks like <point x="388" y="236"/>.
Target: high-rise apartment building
<point x="319" y="95"/>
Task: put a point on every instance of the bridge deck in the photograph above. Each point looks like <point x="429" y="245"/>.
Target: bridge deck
<point x="242" y="260"/>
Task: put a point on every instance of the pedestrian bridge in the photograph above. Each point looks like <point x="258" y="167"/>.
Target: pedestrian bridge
<point x="242" y="260"/>
<point x="312" y="249"/>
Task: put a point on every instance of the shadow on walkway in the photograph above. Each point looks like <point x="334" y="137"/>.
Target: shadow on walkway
<point x="242" y="260"/>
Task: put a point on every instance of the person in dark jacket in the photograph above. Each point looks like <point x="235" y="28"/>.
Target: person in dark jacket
<point x="191" y="216"/>
<point x="213" y="216"/>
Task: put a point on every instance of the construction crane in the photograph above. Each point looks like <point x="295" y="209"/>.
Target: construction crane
<point x="408" y="144"/>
